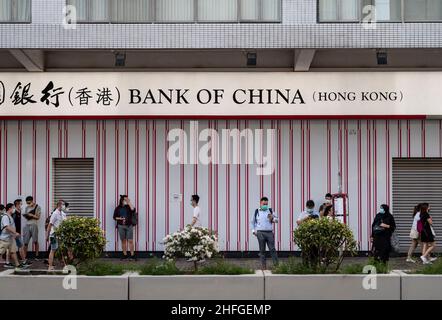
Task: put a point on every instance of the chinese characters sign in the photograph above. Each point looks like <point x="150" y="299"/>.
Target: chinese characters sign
<point x="196" y="94"/>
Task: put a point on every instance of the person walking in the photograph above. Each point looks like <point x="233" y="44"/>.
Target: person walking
<point x="196" y="222"/>
<point x="261" y="225"/>
<point x="427" y="234"/>
<point x="125" y="216"/>
<point x="383" y="227"/>
<point x="414" y="234"/>
<point x="57" y="217"/>
<point x="8" y="234"/>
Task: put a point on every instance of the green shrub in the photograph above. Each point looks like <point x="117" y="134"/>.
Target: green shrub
<point x="293" y="267"/>
<point x="226" y="268"/>
<point x="320" y="241"/>
<point x="435" y="268"/>
<point x="80" y="239"/>
<point x="101" y="268"/>
<point x="157" y="268"/>
<point x="357" y="268"/>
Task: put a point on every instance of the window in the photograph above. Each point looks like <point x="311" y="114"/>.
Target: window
<point x="385" y="10"/>
<point x="423" y="10"/>
<point x="260" y="10"/>
<point x="74" y="183"/>
<point x="15" y="10"/>
<point x="176" y="11"/>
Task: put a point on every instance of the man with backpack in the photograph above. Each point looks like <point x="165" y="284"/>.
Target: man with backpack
<point x="261" y="225"/>
<point x="8" y="234"/>
<point x="32" y="215"/>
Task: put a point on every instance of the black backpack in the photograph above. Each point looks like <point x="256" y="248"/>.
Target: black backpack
<point x="256" y="214"/>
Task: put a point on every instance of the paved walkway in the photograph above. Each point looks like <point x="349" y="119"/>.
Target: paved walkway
<point x="395" y="263"/>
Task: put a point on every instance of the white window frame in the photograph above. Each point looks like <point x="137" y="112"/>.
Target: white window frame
<point x="13" y="13"/>
<point x="153" y="15"/>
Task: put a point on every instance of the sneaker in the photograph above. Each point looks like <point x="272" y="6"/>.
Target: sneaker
<point x="133" y="258"/>
<point x="424" y="260"/>
<point x="26" y="262"/>
<point x="36" y="258"/>
<point x="410" y="260"/>
<point x="22" y="266"/>
<point x="124" y="257"/>
<point x="433" y="259"/>
<point x="9" y="265"/>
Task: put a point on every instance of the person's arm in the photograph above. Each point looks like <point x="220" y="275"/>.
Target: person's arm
<point x="275" y="218"/>
<point x="48" y="230"/>
<point x="11" y="230"/>
<point x="116" y="214"/>
<point x="129" y="203"/>
<point x="37" y="214"/>
<point x="300" y="219"/>
<point x="253" y="224"/>
<point x="193" y="221"/>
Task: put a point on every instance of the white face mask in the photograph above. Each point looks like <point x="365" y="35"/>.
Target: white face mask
<point x="13" y="211"/>
<point x="124" y="203"/>
<point x="63" y="208"/>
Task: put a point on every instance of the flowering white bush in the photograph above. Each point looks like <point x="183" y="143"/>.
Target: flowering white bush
<point x="193" y="243"/>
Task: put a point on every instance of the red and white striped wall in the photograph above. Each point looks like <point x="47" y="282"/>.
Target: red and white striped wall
<point x="130" y="157"/>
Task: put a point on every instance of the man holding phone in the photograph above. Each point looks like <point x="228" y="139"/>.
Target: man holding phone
<point x="262" y="227"/>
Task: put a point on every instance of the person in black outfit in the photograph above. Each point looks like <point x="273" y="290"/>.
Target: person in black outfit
<point x="382" y="228"/>
<point x="125" y="216"/>
<point x="427" y="235"/>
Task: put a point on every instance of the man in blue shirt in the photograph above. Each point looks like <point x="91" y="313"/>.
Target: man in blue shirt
<point x="261" y="225"/>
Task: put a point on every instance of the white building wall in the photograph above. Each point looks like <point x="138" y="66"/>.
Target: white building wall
<point x="130" y="157"/>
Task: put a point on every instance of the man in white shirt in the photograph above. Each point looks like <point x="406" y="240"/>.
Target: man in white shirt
<point x="57" y="218"/>
<point x="196" y="222"/>
<point x="308" y="213"/>
<point x="261" y="225"/>
<point x="8" y="234"/>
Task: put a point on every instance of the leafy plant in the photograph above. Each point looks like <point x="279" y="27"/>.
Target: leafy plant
<point x="292" y="267"/>
<point x="324" y="243"/>
<point x="101" y="268"/>
<point x="157" y="268"/>
<point x="80" y="239"/>
<point x="358" y="268"/>
<point x="223" y="267"/>
<point x="192" y="243"/>
<point x="435" y="268"/>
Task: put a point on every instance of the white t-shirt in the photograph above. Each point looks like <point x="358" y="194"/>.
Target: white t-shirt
<point x="196" y="215"/>
<point x="6" y="221"/>
<point x="416" y="218"/>
<point x="56" y="219"/>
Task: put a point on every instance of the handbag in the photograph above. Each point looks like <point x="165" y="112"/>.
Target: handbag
<point x="414" y="234"/>
<point x="377" y="229"/>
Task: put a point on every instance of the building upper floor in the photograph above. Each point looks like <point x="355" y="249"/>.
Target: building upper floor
<point x="228" y="24"/>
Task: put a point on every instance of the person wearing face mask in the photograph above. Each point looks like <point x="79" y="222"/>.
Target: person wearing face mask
<point x="32" y="214"/>
<point x="8" y="234"/>
<point x="327" y="204"/>
<point x="261" y="225"/>
<point x="125" y="216"/>
<point x="382" y="227"/>
<point x="308" y="213"/>
<point x="57" y="217"/>
<point x="196" y="222"/>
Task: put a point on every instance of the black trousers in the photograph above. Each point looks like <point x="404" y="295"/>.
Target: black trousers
<point x="382" y="247"/>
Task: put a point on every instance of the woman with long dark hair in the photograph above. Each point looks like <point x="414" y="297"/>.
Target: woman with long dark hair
<point x="382" y="228"/>
<point x="414" y="234"/>
<point x="427" y="234"/>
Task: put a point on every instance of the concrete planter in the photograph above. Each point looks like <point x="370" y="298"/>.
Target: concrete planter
<point x="50" y="287"/>
<point x="421" y="287"/>
<point x="330" y="287"/>
<point x="197" y="287"/>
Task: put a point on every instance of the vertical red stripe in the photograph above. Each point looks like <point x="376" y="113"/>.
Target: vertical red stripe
<point x="48" y="157"/>
<point x="279" y="185"/>
<point x="147" y="184"/>
<point x="399" y="129"/>
<point x="408" y="139"/>
<point x="387" y="134"/>
<point x="66" y="138"/>
<point x="238" y="191"/>
<point x="209" y="182"/>
<point x="302" y="165"/>
<point x="154" y="186"/>
<point x="166" y="182"/>
<point x="19" y="150"/>
<point x="261" y="178"/>
<point x="423" y="133"/>
<point x="117" y="171"/>
<point x="137" y="178"/>
<point x="83" y="139"/>
<point x="216" y="182"/>
<point x="346" y="157"/>
<point x="228" y="190"/>
<point x="273" y="177"/>
<point x="329" y="142"/>
<point x="291" y="185"/>
<point x="34" y="159"/>
<point x="369" y="176"/>
<point x="98" y="159"/>
<point x="104" y="157"/>
<point x="375" y="165"/>
<point x="246" y="189"/>
<point x="126" y="157"/>
<point x="359" y="183"/>
<point x="5" y="161"/>
<point x="1" y="160"/>
<point x="308" y="161"/>
<point x="183" y="160"/>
